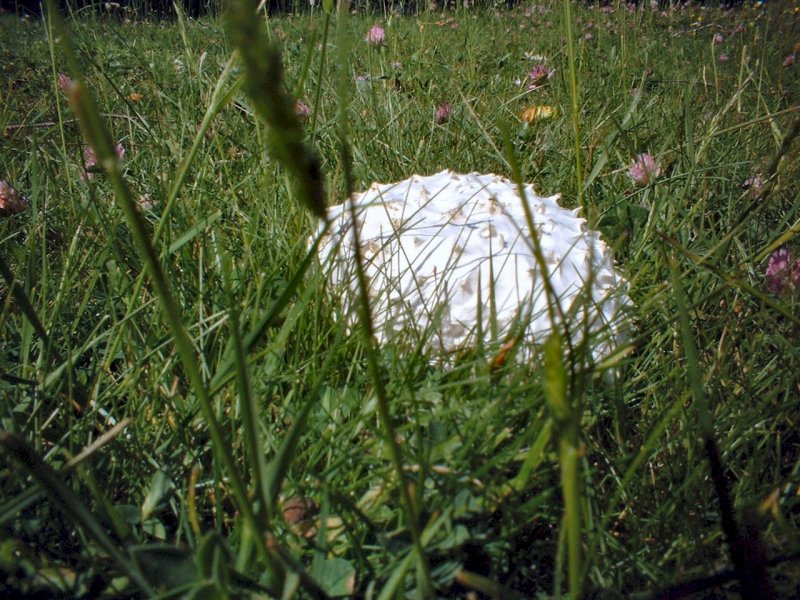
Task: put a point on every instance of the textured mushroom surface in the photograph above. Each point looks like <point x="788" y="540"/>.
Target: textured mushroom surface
<point x="449" y="257"/>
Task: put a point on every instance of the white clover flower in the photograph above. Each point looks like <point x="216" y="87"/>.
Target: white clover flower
<point x="449" y="257"/>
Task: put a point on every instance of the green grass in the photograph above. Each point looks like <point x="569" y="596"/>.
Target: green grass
<point x="173" y="375"/>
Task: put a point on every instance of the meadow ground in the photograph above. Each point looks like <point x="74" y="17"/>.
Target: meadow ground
<point x="174" y="382"/>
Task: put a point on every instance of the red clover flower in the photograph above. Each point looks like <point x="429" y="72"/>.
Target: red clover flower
<point x="375" y="36"/>
<point x="302" y="110"/>
<point x="754" y="185"/>
<point x="11" y="201"/>
<point x="443" y="113"/>
<point x="781" y="272"/>
<point x="90" y="159"/>
<point x="64" y="82"/>
<point x="645" y="170"/>
<point x="538" y="76"/>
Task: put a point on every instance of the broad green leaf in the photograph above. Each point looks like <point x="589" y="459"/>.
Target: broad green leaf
<point x="335" y="575"/>
<point x="165" y="566"/>
<point x="160" y="488"/>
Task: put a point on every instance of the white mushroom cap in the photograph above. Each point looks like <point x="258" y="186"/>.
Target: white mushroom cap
<point x="445" y="251"/>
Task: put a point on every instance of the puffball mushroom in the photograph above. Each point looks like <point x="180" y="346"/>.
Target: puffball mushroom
<point x="449" y="257"/>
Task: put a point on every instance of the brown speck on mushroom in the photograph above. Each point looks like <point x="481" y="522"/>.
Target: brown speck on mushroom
<point x="489" y="231"/>
<point x="371" y="246"/>
<point x="494" y="206"/>
<point x="456" y="213"/>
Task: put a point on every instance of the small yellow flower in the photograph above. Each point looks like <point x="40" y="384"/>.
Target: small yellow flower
<point x="135" y="96"/>
<point x="538" y="113"/>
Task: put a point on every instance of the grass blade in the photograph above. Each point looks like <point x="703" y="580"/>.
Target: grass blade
<point x="574" y="97"/>
<point x="365" y="319"/>
<point x="748" y="565"/>
<point x="99" y="138"/>
<point x="264" y="85"/>
<point x="248" y="406"/>
<point x="566" y="419"/>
